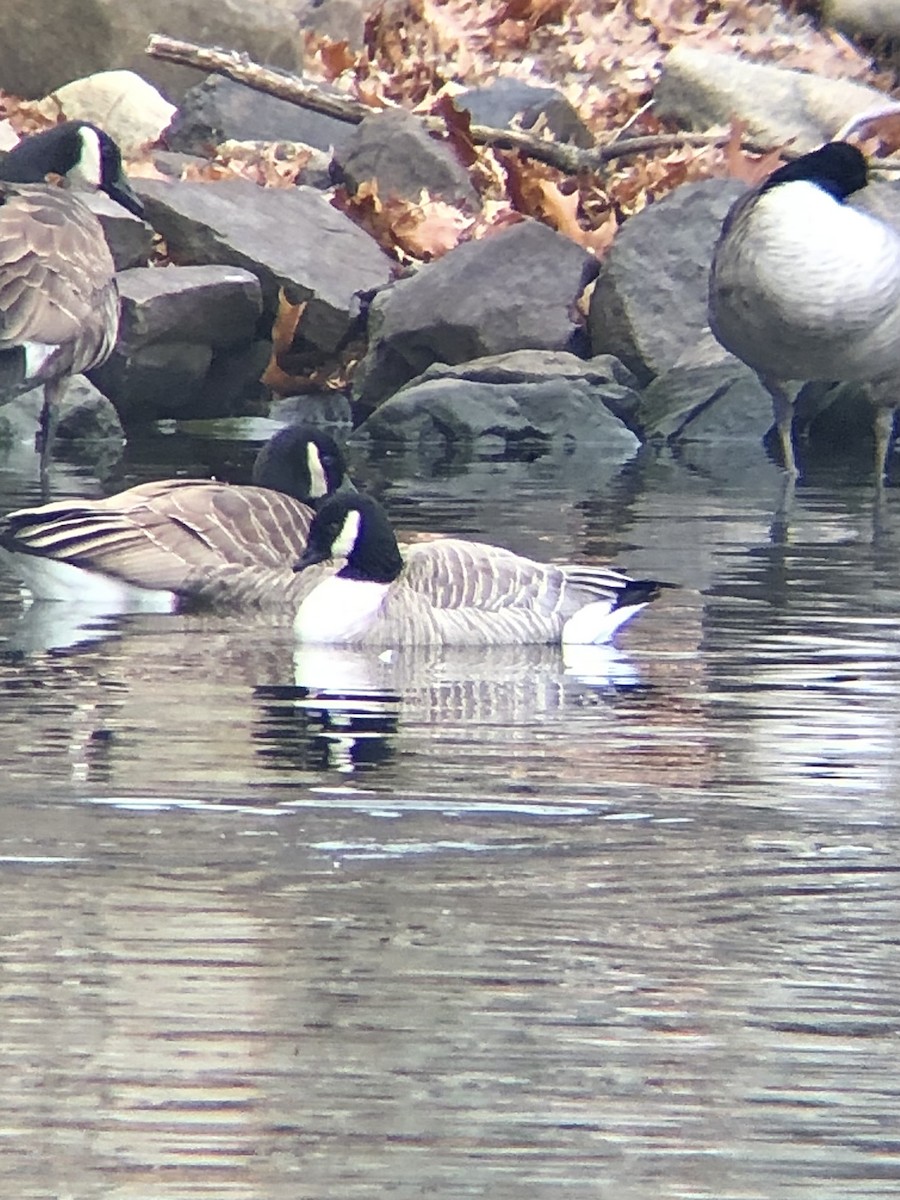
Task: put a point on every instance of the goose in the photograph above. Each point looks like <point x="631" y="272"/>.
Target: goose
<point x="59" y="304"/>
<point x="179" y="543"/>
<point x="449" y="592"/>
<point x="806" y="286"/>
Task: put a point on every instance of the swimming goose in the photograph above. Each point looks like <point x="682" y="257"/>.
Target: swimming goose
<point x="806" y="287"/>
<point x="179" y="543"/>
<point x="59" y="304"/>
<point x="450" y="592"/>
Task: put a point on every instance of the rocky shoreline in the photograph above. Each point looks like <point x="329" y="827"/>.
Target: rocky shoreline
<point x="519" y="335"/>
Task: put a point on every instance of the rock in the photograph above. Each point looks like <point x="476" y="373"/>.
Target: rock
<point x="719" y="403"/>
<point x="219" y="306"/>
<point x="701" y="88"/>
<point x="394" y="149"/>
<point x="126" y="106"/>
<point x="514" y="290"/>
<point x="869" y="18"/>
<point x="86" y="415"/>
<point x="43" y="46"/>
<point x="176" y="322"/>
<point x="338" y="20"/>
<point x="507" y="103"/>
<point x="329" y="410"/>
<point x="650" y="298"/>
<point x="288" y="237"/>
<point x="219" y="110"/>
<point x="527" y="394"/>
<point x="130" y="239"/>
<point x="155" y="381"/>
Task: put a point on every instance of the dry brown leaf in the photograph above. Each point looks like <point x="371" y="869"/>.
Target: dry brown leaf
<point x="560" y="209"/>
<point x="284" y="329"/>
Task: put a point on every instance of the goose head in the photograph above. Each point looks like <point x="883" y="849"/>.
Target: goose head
<point x="838" y="168"/>
<point x="304" y="463"/>
<point x="81" y="153"/>
<point x="355" y="528"/>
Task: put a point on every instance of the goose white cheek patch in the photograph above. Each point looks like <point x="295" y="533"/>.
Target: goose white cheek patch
<point x="318" y="484"/>
<point x="88" y="171"/>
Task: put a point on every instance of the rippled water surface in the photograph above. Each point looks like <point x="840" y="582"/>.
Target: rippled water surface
<point x="297" y="925"/>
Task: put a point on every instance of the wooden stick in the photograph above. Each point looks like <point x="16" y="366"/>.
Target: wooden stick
<point x="569" y="159"/>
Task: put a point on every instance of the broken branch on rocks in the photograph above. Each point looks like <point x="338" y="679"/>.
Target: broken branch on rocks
<point x="571" y="160"/>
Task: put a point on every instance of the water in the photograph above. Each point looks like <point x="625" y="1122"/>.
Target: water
<point x="285" y="925"/>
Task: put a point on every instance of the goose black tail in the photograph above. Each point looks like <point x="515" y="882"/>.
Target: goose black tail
<point x="640" y="591"/>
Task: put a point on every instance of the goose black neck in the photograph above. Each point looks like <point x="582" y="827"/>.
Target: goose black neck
<point x="837" y="168"/>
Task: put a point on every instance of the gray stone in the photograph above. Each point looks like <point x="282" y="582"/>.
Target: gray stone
<point x="701" y="88"/>
<point x="394" y="149"/>
<point x="719" y="403"/>
<point x="219" y="110"/>
<point x="232" y="385"/>
<point x="130" y="239"/>
<point x="288" y="237"/>
<point x="870" y="18"/>
<point x="86" y="415"/>
<point x="338" y="20"/>
<point x="650" y="300"/>
<point x="514" y="290"/>
<point x="527" y="394"/>
<point x="188" y="343"/>
<point x="130" y="109"/>
<point x="44" y="46"/>
<point x="162" y="379"/>
<point x="329" y="410"/>
<point x="507" y="103"/>
<point x="218" y="306"/>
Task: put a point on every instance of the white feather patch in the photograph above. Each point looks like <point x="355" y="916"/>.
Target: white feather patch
<point x="595" y="623"/>
<point x="346" y="539"/>
<point x="37" y="354"/>
<point x="339" y="610"/>
<point x="48" y="579"/>
<point x="318" y="484"/>
<point x="88" y="171"/>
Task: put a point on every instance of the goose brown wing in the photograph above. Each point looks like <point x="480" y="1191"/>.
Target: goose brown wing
<point x="166" y="535"/>
<point x="57" y="282"/>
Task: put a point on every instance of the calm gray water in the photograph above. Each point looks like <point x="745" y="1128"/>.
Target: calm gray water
<point x="283" y="926"/>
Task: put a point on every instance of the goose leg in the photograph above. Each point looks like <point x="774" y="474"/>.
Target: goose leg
<point x="783" y="410"/>
<point x="884" y="428"/>
<point x="49" y="419"/>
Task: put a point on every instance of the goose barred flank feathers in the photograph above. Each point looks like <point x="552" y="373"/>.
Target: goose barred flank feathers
<point x="59" y="304"/>
<point x="451" y="592"/>
<point x="185" y="541"/>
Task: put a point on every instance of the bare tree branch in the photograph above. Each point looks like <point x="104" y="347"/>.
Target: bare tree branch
<point x="570" y="159"/>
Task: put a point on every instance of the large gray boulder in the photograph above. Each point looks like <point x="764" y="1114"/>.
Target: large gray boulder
<point x="176" y="325"/>
<point x="290" y="238"/>
<point x="219" y="109"/>
<point x="701" y="88"/>
<point x="524" y="395"/>
<point x="650" y="300"/>
<point x="44" y="46"/>
<point x="869" y="18"/>
<point x="514" y="290"/>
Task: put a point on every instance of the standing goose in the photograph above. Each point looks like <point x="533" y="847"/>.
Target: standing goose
<point x="450" y="592"/>
<point x="59" y="304"/>
<point x="806" y="287"/>
<point x="180" y="542"/>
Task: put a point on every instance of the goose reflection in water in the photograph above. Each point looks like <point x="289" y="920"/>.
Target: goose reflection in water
<point x="225" y="707"/>
<point x="348" y="702"/>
